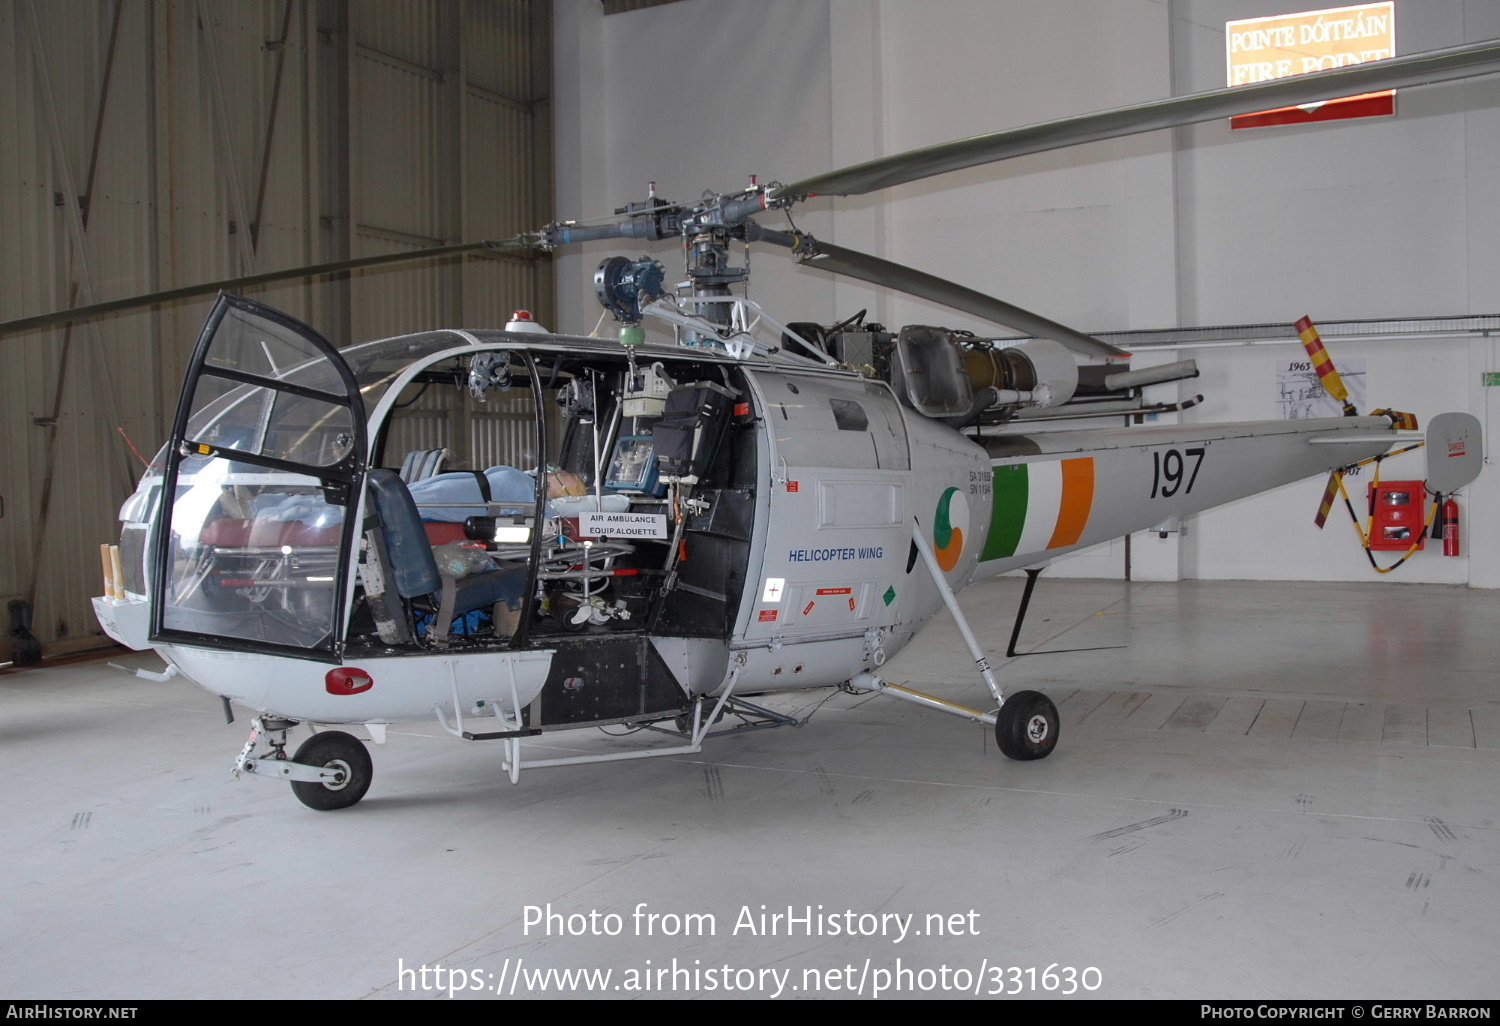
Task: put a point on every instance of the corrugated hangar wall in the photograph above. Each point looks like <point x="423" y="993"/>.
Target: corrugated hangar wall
<point x="154" y="144"/>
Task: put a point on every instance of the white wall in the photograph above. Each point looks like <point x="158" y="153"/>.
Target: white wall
<point x="1391" y="217"/>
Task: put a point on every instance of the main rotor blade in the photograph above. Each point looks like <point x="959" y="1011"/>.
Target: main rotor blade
<point x="1427" y="68"/>
<point x="511" y="247"/>
<point x="878" y="271"/>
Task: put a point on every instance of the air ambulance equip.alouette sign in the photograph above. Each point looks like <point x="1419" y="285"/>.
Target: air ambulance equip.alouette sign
<point x="1262" y="49"/>
<point x="622" y="525"/>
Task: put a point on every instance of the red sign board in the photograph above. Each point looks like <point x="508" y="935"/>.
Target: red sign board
<point x="1263" y="49"/>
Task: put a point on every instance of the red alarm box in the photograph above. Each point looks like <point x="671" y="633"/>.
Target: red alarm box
<point x="1396" y="511"/>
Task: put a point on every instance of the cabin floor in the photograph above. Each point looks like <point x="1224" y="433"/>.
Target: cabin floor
<point x="1272" y="790"/>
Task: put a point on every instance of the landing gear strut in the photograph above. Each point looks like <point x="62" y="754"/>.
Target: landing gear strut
<point x="1026" y="724"/>
<point x="331" y="770"/>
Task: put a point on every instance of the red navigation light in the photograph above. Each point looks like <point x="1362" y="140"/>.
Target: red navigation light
<point x="347" y="680"/>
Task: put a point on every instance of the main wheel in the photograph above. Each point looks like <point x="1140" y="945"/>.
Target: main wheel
<point x="1027" y="726"/>
<point x="343" y="753"/>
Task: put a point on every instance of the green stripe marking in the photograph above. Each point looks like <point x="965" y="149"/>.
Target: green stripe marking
<point x="1009" y="516"/>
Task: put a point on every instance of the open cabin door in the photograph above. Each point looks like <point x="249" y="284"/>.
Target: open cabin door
<point x="264" y="470"/>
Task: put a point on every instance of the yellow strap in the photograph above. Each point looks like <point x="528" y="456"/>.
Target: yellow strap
<point x="1374" y="489"/>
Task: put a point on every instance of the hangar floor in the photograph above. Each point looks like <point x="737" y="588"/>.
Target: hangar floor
<point x="1273" y="790"/>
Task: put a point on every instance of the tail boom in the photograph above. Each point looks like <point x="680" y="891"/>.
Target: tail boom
<point x="1059" y="492"/>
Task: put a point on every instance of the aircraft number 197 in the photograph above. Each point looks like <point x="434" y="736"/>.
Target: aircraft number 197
<point x="1171" y="466"/>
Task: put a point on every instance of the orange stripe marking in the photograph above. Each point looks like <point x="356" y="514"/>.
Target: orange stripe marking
<point x="1077" y="502"/>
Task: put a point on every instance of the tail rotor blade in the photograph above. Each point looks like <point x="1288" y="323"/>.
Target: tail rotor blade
<point x="1329" y="494"/>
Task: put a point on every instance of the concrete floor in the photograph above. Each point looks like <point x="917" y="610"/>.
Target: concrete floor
<point x="1273" y="790"/>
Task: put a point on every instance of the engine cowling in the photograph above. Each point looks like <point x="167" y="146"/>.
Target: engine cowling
<point x="959" y="379"/>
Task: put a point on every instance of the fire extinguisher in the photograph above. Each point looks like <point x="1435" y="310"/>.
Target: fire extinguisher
<point x="1448" y="520"/>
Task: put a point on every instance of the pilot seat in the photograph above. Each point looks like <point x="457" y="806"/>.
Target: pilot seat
<point x="414" y="574"/>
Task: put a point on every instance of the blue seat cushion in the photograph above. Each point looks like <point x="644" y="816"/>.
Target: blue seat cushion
<point x="478" y="591"/>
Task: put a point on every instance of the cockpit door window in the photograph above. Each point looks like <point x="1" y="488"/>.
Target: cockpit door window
<point x="264" y="466"/>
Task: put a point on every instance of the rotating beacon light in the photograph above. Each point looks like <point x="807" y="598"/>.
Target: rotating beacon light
<point x="521" y="320"/>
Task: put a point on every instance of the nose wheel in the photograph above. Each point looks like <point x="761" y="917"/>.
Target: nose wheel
<point x="1027" y="726"/>
<point x="346" y="756"/>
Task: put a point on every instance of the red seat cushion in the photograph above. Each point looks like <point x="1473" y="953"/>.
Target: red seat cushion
<point x="229" y="533"/>
<point x="225" y="533"/>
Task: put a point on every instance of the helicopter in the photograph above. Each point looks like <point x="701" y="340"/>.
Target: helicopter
<point x="649" y="532"/>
